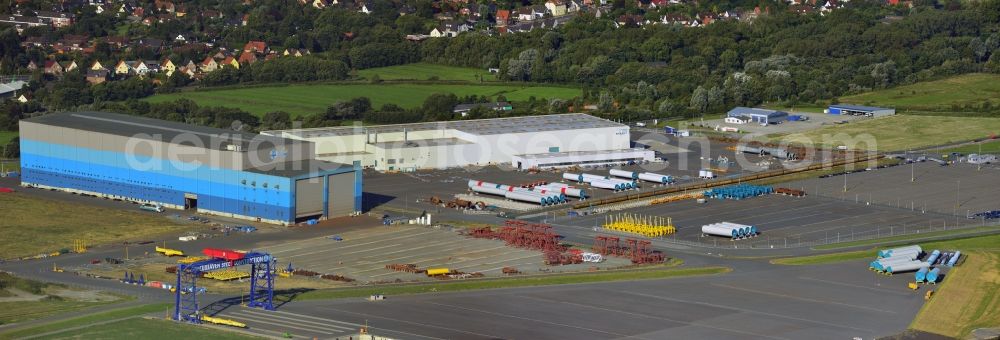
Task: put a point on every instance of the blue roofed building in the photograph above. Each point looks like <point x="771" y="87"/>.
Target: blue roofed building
<point x="757" y="115"/>
<point x="859" y="110"/>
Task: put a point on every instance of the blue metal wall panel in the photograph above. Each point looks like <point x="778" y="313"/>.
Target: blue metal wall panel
<point x="110" y="173"/>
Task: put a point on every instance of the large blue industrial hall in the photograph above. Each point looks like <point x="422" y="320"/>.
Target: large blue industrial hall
<point x="182" y="166"/>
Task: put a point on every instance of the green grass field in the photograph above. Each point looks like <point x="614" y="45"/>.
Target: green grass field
<point x="12" y="312"/>
<point x="424" y="71"/>
<point x="542" y="280"/>
<point x="44" y="226"/>
<point x="315" y="98"/>
<point x="986" y="148"/>
<point x="899" y="132"/>
<point x="938" y="95"/>
<point x="148" y="329"/>
<point x="86" y="320"/>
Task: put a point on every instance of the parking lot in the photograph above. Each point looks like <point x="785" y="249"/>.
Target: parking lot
<point x="954" y="189"/>
<point x="684" y="158"/>
<point x="757" y="301"/>
<point x="815" y="121"/>
<point x="363" y="254"/>
<point x="783" y="221"/>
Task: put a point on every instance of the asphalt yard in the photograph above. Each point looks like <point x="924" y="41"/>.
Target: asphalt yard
<point x="784" y="220"/>
<point x="954" y="189"/>
<point x="758" y="302"/>
<point x="363" y="254"/>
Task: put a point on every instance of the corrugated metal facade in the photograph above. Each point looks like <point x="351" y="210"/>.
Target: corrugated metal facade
<point x="109" y="165"/>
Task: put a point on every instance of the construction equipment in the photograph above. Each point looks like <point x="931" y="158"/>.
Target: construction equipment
<point x="79" y="247"/>
<point x="913" y="285"/>
<point x="221" y="321"/>
<point x="928" y="295"/>
<point x="169" y="252"/>
<point x="649" y="226"/>
<point x="437" y="271"/>
<point x="56" y="269"/>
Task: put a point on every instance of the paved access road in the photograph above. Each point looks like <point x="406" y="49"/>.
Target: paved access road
<point x="757" y="301"/>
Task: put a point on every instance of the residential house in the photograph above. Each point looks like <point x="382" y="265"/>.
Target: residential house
<point x="831" y="5"/>
<point x="32" y="66"/>
<point x="707" y="18"/>
<point x="367" y="7"/>
<point x="211" y="14"/>
<point x="95" y="77"/>
<point x="254" y="46"/>
<point x="247" y="58"/>
<point x="292" y="52"/>
<point x="168" y="67"/>
<point x="24" y="98"/>
<point x="230" y="62"/>
<point x="189" y="71"/>
<point x="801" y="9"/>
<point x="209" y="65"/>
<point x="139" y="67"/>
<point x="58" y="19"/>
<point x="190" y="65"/>
<point x="181" y="38"/>
<point x="629" y="20"/>
<point x="450" y="29"/>
<point x="150" y="43"/>
<point x="503" y="17"/>
<point x="53" y="68"/>
<point x="10" y="90"/>
<point x="69" y="66"/>
<point x="321" y="4"/>
<point x="525" y="14"/>
<point x="97" y="66"/>
<point x="659" y="3"/>
<point x="164" y="5"/>
<point x="180" y="10"/>
<point x="124" y="68"/>
<point x="117" y="42"/>
<point x="74" y="42"/>
<point x="35" y="41"/>
<point x="556" y="7"/>
<point x="539" y="11"/>
<point x="151" y="66"/>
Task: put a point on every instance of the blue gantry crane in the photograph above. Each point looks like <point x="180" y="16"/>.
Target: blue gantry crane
<point x="262" y="267"/>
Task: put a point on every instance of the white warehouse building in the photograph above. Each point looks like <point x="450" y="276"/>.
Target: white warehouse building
<point x="523" y="142"/>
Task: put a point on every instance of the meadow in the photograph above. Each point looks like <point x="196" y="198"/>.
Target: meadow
<point x="900" y="132"/>
<point x="935" y="96"/>
<point x="426" y="71"/>
<point x="314" y="98"/>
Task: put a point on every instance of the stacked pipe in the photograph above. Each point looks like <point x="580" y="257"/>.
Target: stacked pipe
<point x="900" y="250"/>
<point x="954" y="259"/>
<point x="516" y="193"/>
<point x="880" y="265"/>
<point x="600" y="182"/>
<point x="564" y="190"/>
<point x="732" y="230"/>
<point x="740" y="191"/>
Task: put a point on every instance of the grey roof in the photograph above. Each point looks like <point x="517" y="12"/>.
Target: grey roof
<point x="301" y="169"/>
<point x="467" y="107"/>
<point x="859" y="107"/>
<point x="556" y="122"/>
<point x="746" y="111"/>
<point x="155" y="129"/>
<point x="12" y="86"/>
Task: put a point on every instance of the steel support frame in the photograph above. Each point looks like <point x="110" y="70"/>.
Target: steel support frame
<point x="186" y="305"/>
<point x="262" y="286"/>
